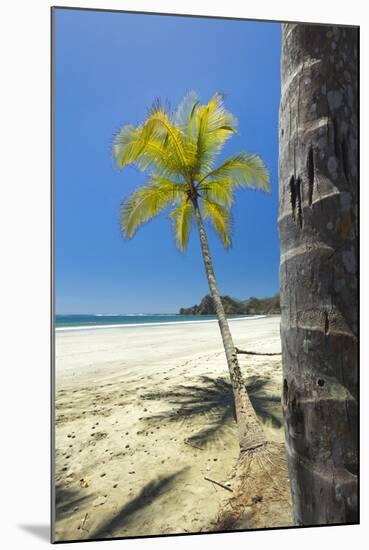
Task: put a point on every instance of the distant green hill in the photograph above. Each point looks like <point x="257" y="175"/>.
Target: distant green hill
<point x="260" y="306"/>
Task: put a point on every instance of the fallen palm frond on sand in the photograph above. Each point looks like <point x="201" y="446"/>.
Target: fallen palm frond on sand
<point x="260" y="491"/>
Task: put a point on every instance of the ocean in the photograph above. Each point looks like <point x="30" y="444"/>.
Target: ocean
<point x="99" y="320"/>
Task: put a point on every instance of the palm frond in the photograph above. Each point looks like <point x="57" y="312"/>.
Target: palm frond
<point x="184" y="115"/>
<point x="134" y="146"/>
<point x="242" y="169"/>
<point x="215" y="125"/>
<point x="182" y="218"/>
<point x="219" y="191"/>
<point x="160" y="127"/>
<point x="186" y="120"/>
<point x="221" y="219"/>
<point x="149" y="201"/>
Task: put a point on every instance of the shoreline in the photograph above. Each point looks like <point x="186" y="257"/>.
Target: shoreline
<point x="160" y="323"/>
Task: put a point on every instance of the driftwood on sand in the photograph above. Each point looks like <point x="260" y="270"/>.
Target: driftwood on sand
<point x="218" y="483"/>
<point x="245" y="352"/>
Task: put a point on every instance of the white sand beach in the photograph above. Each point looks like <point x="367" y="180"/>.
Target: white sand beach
<point x="143" y="415"/>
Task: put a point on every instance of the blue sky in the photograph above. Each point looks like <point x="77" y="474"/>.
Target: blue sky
<point x="108" y="69"/>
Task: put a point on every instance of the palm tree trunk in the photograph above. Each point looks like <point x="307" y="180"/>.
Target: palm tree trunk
<point x="250" y="431"/>
<point x="318" y="171"/>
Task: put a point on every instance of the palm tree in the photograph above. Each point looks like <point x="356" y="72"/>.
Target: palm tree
<point x="318" y="186"/>
<point x="179" y="151"/>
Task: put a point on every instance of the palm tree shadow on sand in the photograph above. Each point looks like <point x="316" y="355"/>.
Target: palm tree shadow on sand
<point x="213" y="399"/>
<point x="125" y="517"/>
<point x="67" y="500"/>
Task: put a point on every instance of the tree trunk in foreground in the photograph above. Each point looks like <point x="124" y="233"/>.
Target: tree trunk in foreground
<point x="318" y="163"/>
<point x="250" y="431"/>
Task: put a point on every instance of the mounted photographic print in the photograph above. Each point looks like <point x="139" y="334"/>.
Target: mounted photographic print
<point x="205" y="228"/>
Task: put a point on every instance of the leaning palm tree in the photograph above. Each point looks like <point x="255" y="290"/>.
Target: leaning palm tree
<point x="178" y="151"/>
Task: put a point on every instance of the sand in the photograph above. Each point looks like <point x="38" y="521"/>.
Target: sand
<point x="143" y="415"/>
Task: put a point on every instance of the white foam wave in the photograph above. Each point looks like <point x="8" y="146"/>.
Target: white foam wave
<point x="129" y="325"/>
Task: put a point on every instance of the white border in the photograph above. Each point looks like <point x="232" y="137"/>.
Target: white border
<point x="25" y="285"/>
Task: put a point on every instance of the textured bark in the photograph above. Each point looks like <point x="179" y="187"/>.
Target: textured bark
<point x="318" y="173"/>
<point x="250" y="431"/>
